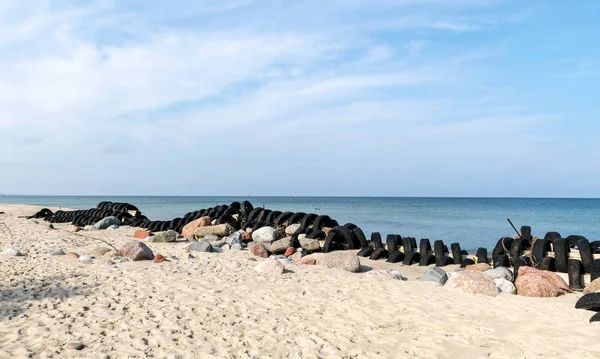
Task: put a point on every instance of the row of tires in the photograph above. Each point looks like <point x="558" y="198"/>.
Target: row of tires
<point x="125" y="212"/>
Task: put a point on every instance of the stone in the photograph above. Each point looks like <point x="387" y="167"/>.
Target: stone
<point x="340" y="260"/>
<point x="250" y="244"/>
<point x="309" y="244"/>
<point x="246" y="237"/>
<point x="270" y="267"/>
<point x="284" y="260"/>
<point x="504" y="286"/>
<point x="100" y="251"/>
<point x="259" y="250"/>
<point x="89" y="227"/>
<point x="226" y="247"/>
<point x="265" y="235"/>
<point x="500" y="272"/>
<point x="188" y="229"/>
<point x="86" y="258"/>
<point x="11" y="252"/>
<point x="75" y="229"/>
<point x="113" y="227"/>
<point x="122" y="260"/>
<point x="234" y="238"/>
<point x="302" y="236"/>
<point x="307" y="261"/>
<point x="199" y="246"/>
<point x="385" y="274"/>
<point x="593" y="287"/>
<point x="169" y="236"/>
<point x="236" y="247"/>
<point x="217" y="243"/>
<point x="473" y="282"/>
<point x="72" y="255"/>
<point x="280" y="246"/>
<point x="296" y="256"/>
<point x="107" y="222"/>
<point x="136" y="251"/>
<point x="141" y="234"/>
<point x="479" y="267"/>
<point x="533" y="282"/>
<point x="220" y="230"/>
<point x="190" y="256"/>
<point x="435" y="274"/>
<point x="159" y="258"/>
<point x="291" y="229"/>
<point x="211" y="238"/>
<point x="57" y="252"/>
<point x="75" y="346"/>
<point x="289" y="251"/>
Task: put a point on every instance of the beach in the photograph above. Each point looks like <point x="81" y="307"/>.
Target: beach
<point x="216" y="305"/>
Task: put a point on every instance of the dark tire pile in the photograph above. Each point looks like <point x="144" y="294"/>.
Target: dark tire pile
<point x="127" y="213"/>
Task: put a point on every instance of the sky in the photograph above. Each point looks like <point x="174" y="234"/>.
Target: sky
<point x="308" y="98"/>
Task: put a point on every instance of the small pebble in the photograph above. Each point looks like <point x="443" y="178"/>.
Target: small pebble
<point x="76" y="346"/>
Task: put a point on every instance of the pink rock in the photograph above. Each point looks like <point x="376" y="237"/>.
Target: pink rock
<point x="473" y="282"/>
<point x="307" y="262"/>
<point x="188" y="229"/>
<point x="137" y="251"/>
<point x="259" y="250"/>
<point x="159" y="258"/>
<point x="141" y="234"/>
<point x="289" y="251"/>
<point x="593" y="287"/>
<point x="533" y="282"/>
<point x="479" y="267"/>
<point x="270" y="267"/>
<point x="246" y="237"/>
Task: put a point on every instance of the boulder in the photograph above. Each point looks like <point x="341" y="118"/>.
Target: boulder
<point x="188" y="229"/>
<point x="159" y="258"/>
<point x="234" y="238"/>
<point x="504" y="286"/>
<point x="291" y="229"/>
<point x="479" y="267"/>
<point x="136" y="251"/>
<point x="11" y="252"/>
<point x="259" y="250"/>
<point x="593" y="287"/>
<point x="385" y="274"/>
<point x="340" y="260"/>
<point x="199" y="246"/>
<point x="141" y="234"/>
<point x="220" y="230"/>
<point x="500" y="272"/>
<point x="473" y="282"/>
<point x="169" y="236"/>
<point x="309" y="244"/>
<point x="107" y="222"/>
<point x="289" y="251"/>
<point x="270" y="267"/>
<point x="265" y="235"/>
<point x="533" y="282"/>
<point x="57" y="252"/>
<point x="211" y="238"/>
<point x="435" y="274"/>
<point x="280" y="246"/>
<point x="306" y="261"/>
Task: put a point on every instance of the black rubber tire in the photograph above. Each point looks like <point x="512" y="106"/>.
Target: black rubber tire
<point x="573" y="240"/>
<point x="358" y="233"/>
<point x="438" y="249"/>
<point x="574" y="270"/>
<point x="235" y="205"/>
<point x="411" y="258"/>
<point x="456" y="253"/>
<point x="526" y="232"/>
<point x="365" y="252"/>
<point x="426" y="260"/>
<point x="270" y="220"/>
<point x="413" y="244"/>
<point x="165" y="226"/>
<point x="540" y="250"/>
<point x="595" y="270"/>
<point x="395" y="256"/>
<point x="338" y="241"/>
<point x="482" y="255"/>
<point x="444" y="261"/>
<point x="257" y="225"/>
<point x="502" y="246"/>
<point x="228" y="219"/>
<point x="561" y="254"/>
<point x="350" y="226"/>
<point x="595" y="318"/>
<point x="320" y="235"/>
<point x="348" y="236"/>
<point x="521" y="262"/>
<point x="548" y="263"/>
<point x="501" y="261"/>
<point x="246" y="208"/>
<point x="376" y="240"/>
<point x="406" y="246"/>
<point x="253" y="216"/>
<point x="425" y="247"/>
<point x="323" y="221"/>
<point x="551" y="236"/>
<point x="467" y="262"/>
<point x="585" y="253"/>
<point x="595" y="247"/>
<point x="589" y="302"/>
<point x="282" y="218"/>
<point x="296" y="218"/>
<point x="379" y="253"/>
<point x="391" y="242"/>
<point x="516" y="249"/>
<point x="263" y="215"/>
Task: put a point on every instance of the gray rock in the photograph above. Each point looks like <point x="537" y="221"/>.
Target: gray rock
<point x="11" y="252"/>
<point x="284" y="260"/>
<point x="190" y="256"/>
<point x="113" y="227"/>
<point x="435" y="274"/>
<point x="107" y="222"/>
<point x="226" y="247"/>
<point x="291" y="229"/>
<point x="309" y="244"/>
<point x="234" y="238"/>
<point x="86" y="258"/>
<point x="217" y="243"/>
<point x="236" y="247"/>
<point x="265" y="235"/>
<point x="220" y="230"/>
<point x="121" y="260"/>
<point x="280" y="246"/>
<point x="57" y="252"/>
<point x="199" y="246"/>
<point x="385" y="274"/>
<point x="500" y="272"/>
<point x="211" y="238"/>
<point x="169" y="236"/>
<point x="250" y="244"/>
<point x="75" y="346"/>
<point x="504" y="286"/>
<point x="340" y="260"/>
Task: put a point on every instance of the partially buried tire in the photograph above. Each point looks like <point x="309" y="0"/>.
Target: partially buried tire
<point x="540" y="250"/>
<point x="502" y="246"/>
<point x="438" y="249"/>
<point x="365" y="252"/>
<point x="501" y="261"/>
<point x="395" y="256"/>
<point x="444" y="261"/>
<point x="482" y="255"/>
<point x="561" y="254"/>
<point x="467" y="262"/>
<point x="575" y="275"/>
<point x="589" y="302"/>
<point x="548" y="263"/>
<point x="585" y="253"/>
<point x="376" y="240"/>
<point x="595" y="270"/>
<point x="456" y="253"/>
<point x="358" y="233"/>
<point x="411" y="258"/>
<point x="424" y="247"/>
<point x="426" y="260"/>
<point x="379" y="253"/>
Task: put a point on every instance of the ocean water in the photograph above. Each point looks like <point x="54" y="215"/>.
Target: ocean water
<point x="472" y="222"/>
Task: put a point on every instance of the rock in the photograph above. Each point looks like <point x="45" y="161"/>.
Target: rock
<point x="340" y="260"/>
<point x="435" y="274"/>
<point x="11" y="252"/>
<point x="100" y="251"/>
<point x="310" y="244"/>
<point x="57" y="252"/>
<point x="479" y="267"/>
<point x="190" y="256"/>
<point x="289" y="251"/>
<point x="88" y="228"/>
<point x="159" y="258"/>
<point x="265" y="235"/>
<point x="296" y="256"/>
<point x="169" y="236"/>
<point x="86" y="258"/>
<point x="234" y="238"/>
<point x="270" y="267"/>
<point x="217" y="243"/>
<point x="473" y="282"/>
<point x="385" y="274"/>
<point x="113" y="227"/>
<point x="122" y="260"/>
<point x="226" y="247"/>
<point x="246" y="237"/>
<point x="593" y="287"/>
<point x="250" y="244"/>
<point x="259" y="250"/>
<point x="500" y="272"/>
<point x="307" y="261"/>
<point x="504" y="286"/>
<point x="280" y="246"/>
<point x="75" y="346"/>
<point x="236" y="247"/>
<point x="141" y="234"/>
<point x="72" y="255"/>
<point x="220" y="230"/>
<point x="107" y="222"/>
<point x="291" y="229"/>
<point x="188" y="229"/>
<point x="199" y="246"/>
<point x="211" y="238"/>
<point x="302" y="236"/>
<point x="284" y="260"/>
<point x="110" y="254"/>
<point x="137" y="251"/>
<point x="533" y="282"/>
<point x="75" y="229"/>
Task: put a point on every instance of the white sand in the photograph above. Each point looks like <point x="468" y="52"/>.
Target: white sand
<point x="217" y="306"/>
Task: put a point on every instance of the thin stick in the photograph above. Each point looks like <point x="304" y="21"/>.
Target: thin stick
<point x="8" y="229"/>
<point x="509" y="221"/>
<point x="98" y="239"/>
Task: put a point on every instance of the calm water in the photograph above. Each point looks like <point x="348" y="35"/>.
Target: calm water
<point x="473" y="222"/>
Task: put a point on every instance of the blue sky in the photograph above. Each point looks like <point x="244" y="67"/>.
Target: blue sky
<point x="344" y="97"/>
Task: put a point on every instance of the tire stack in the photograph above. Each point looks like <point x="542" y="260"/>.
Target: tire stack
<point x="125" y="212"/>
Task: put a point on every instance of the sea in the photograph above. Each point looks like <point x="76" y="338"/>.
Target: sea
<point x="472" y="222"/>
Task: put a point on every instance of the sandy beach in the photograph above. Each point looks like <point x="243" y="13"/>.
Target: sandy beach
<point x="217" y="306"/>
